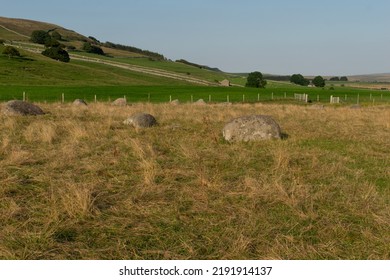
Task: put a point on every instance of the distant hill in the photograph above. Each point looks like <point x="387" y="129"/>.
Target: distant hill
<point x="372" y="78"/>
<point x="121" y="64"/>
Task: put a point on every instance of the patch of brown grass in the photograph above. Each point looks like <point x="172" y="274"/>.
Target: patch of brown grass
<point x="78" y="184"/>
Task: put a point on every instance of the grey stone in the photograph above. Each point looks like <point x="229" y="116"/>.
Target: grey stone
<point x="251" y="128"/>
<point x="175" y="102"/>
<point x="80" y="102"/>
<point x="200" y="102"/>
<point x="18" y="107"/>
<point x="119" y="102"/>
<point x="141" y="120"/>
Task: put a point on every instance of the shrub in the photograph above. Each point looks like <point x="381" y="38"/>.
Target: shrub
<point x="40" y="37"/>
<point x="89" y="48"/>
<point x="11" y="51"/>
<point x="57" y="53"/>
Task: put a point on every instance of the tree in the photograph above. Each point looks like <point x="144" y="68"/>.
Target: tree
<point x="56" y="36"/>
<point x="40" y="37"/>
<point x="89" y="48"/>
<point x="319" y="81"/>
<point x="57" y="53"/>
<point x="344" y="79"/>
<point x="255" y="79"/>
<point x="11" y="51"/>
<point x="299" y="80"/>
<point x="336" y="79"/>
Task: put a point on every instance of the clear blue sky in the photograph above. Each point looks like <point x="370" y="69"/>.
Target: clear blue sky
<point x="334" y="37"/>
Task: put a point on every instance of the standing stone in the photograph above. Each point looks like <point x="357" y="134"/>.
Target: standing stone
<point x="251" y="128"/>
<point x="200" y="102"/>
<point x="141" y="120"/>
<point x="119" y="102"/>
<point x="80" y="102"/>
<point x="17" y="107"/>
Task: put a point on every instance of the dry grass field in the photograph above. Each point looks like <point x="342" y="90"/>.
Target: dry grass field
<point x="78" y="184"/>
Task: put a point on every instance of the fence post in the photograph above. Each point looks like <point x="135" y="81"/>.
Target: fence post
<point x="227" y="98"/>
<point x="209" y="98"/>
<point x="243" y="98"/>
<point x="318" y="98"/>
<point x="358" y="97"/>
<point x="272" y="96"/>
<point x="170" y="98"/>
<point x="24" y="96"/>
<point x="192" y="99"/>
<point x="62" y="98"/>
<point x="331" y="99"/>
<point x="95" y="98"/>
<point x="285" y="95"/>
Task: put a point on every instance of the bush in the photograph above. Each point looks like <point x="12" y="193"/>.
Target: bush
<point x="40" y="37"/>
<point x="11" y="51"/>
<point x="57" y="53"/>
<point x="89" y="48"/>
<point x="319" y="81"/>
<point x="255" y="79"/>
<point x="298" y="79"/>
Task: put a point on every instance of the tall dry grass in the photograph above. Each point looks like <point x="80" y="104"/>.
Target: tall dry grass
<point x="78" y="184"/>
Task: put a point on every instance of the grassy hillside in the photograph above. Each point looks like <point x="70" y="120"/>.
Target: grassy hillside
<point x="19" y="30"/>
<point x="78" y="184"/>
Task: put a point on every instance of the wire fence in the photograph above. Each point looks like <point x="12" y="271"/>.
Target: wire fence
<point x="68" y="97"/>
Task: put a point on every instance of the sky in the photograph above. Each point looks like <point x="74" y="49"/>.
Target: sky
<point x="310" y="37"/>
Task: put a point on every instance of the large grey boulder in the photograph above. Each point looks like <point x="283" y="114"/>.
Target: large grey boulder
<point x="18" y="107"/>
<point x="251" y="128"/>
<point x="141" y="120"/>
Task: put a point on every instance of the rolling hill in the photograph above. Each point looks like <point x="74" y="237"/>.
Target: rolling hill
<point x="121" y="64"/>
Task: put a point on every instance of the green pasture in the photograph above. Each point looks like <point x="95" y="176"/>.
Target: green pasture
<point x="189" y="93"/>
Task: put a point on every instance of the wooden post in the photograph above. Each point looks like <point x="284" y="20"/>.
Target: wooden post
<point x="95" y="98"/>
<point x="209" y="97"/>
<point x="318" y="98"/>
<point x="358" y="97"/>
<point x="258" y="97"/>
<point x="331" y="99"/>
<point x="24" y="96"/>
<point x="285" y="95"/>
<point x="272" y="96"/>
<point x="63" y="98"/>
<point x="243" y="98"/>
<point x="227" y="98"/>
<point x="148" y="97"/>
<point x="192" y="98"/>
<point x="170" y="98"/>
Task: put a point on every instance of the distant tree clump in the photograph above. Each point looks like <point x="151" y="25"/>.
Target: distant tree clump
<point x="255" y="79"/>
<point x="57" y="53"/>
<point x="89" y="48"/>
<point x="40" y="37"/>
<point x="56" y="36"/>
<point x="135" y="50"/>
<point x="337" y="79"/>
<point x="319" y="81"/>
<point x="299" y="80"/>
<point x="11" y="51"/>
